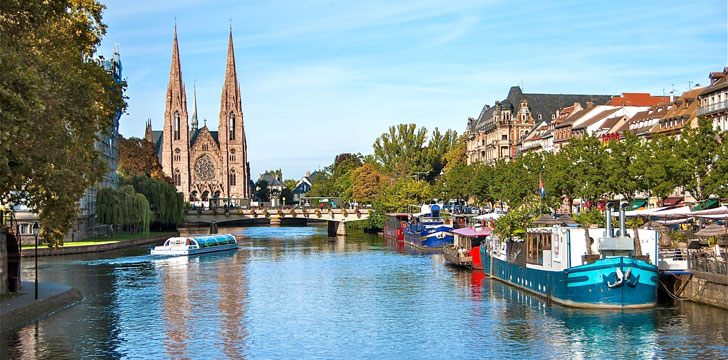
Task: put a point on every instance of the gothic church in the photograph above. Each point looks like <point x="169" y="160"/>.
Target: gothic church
<point x="204" y="164"/>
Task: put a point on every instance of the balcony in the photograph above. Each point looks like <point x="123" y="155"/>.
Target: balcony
<point x="711" y="108"/>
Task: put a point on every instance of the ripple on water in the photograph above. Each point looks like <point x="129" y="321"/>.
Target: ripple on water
<point x="294" y="292"/>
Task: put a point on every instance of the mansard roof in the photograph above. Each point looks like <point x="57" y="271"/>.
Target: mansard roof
<point x="538" y="104"/>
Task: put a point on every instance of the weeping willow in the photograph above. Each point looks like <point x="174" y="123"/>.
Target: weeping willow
<point x="124" y="207"/>
<point x="165" y="203"/>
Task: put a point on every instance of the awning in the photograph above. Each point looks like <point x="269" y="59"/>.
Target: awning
<point x="672" y="201"/>
<point x="644" y="212"/>
<point x="676" y="213"/>
<point x="638" y="204"/>
<point x="706" y="204"/>
<point x="723" y="210"/>
<point x="472" y="232"/>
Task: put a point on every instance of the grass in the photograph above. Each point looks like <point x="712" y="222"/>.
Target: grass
<point x="9" y="296"/>
<point x="99" y="240"/>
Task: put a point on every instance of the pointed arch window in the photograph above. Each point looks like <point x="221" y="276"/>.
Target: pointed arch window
<point x="232" y="126"/>
<point x="177" y="178"/>
<point x="176" y="125"/>
<point x="232" y="179"/>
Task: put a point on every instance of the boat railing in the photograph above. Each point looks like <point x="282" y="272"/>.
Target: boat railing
<point x="673" y="259"/>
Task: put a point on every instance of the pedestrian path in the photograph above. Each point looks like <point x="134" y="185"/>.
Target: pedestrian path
<point x="24" y="308"/>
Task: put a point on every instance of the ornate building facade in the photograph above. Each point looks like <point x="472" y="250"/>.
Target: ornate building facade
<point x="204" y="164"/>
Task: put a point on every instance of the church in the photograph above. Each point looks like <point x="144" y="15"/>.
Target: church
<point x="205" y="165"/>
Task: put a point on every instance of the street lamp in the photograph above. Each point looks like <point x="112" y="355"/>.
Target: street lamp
<point x="36" y="231"/>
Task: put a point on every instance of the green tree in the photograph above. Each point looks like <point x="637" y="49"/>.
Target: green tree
<point x="699" y="155"/>
<point x="124" y="207"/>
<point x="717" y="181"/>
<point x="263" y="192"/>
<point x="166" y="204"/>
<point x="664" y="169"/>
<point x="588" y="156"/>
<point x="625" y="164"/>
<point x="54" y="100"/>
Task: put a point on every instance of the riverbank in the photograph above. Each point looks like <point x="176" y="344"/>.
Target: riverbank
<point x="22" y="308"/>
<point x="100" y="246"/>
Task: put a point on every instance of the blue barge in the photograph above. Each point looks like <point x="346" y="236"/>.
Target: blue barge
<point x="553" y="262"/>
<point x="428" y="232"/>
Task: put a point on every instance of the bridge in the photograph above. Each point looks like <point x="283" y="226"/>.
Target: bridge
<point x="336" y="218"/>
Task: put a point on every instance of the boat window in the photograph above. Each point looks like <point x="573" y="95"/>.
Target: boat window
<point x="536" y="243"/>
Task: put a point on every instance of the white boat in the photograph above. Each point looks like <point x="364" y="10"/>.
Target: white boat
<point x="196" y="245"/>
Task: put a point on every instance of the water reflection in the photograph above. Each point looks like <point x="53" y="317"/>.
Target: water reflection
<point x="295" y="292"/>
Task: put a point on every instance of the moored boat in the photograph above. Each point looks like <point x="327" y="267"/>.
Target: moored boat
<point x="554" y="262"/>
<point x="465" y="249"/>
<point x="428" y="232"/>
<point x="394" y="226"/>
<point x="196" y="245"/>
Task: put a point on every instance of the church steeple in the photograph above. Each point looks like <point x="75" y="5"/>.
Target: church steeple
<point x="176" y="96"/>
<point x="230" y="100"/>
<point x="194" y="108"/>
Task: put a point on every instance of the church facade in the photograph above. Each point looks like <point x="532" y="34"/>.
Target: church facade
<point x="204" y="164"/>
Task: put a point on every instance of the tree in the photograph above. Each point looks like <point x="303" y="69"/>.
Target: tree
<point x="166" y="204"/>
<point x="664" y="169"/>
<point x="717" y="181"/>
<point x="587" y="156"/>
<point x="367" y="183"/>
<point x="278" y="173"/>
<point x="262" y="192"/>
<point x="699" y="155"/>
<point x="624" y="166"/>
<point x="124" y="207"/>
<point x="138" y="157"/>
<point x="456" y="155"/>
<point x="54" y="100"/>
<point x="457" y="183"/>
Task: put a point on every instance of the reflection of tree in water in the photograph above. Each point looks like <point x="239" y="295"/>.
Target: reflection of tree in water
<point x="231" y="279"/>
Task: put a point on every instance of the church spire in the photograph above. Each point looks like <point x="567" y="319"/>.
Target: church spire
<point x="230" y="100"/>
<point x="194" y="108"/>
<point x="176" y="89"/>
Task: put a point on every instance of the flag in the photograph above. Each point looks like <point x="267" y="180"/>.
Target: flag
<point x="540" y="186"/>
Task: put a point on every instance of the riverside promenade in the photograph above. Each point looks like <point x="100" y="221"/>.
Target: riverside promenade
<point x="21" y="308"/>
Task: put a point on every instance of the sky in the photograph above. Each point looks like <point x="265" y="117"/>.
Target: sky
<point x="319" y="78"/>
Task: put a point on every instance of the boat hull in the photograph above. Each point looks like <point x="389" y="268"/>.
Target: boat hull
<point x="431" y="238"/>
<point x="593" y="285"/>
<point x="178" y="251"/>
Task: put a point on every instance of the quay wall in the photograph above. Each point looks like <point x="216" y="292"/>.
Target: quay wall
<point x="68" y="250"/>
<point x="708" y="288"/>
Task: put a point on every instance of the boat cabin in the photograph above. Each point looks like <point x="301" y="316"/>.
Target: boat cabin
<point x="465" y="250"/>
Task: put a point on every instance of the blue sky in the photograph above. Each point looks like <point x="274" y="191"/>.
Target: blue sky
<point x="319" y="78"/>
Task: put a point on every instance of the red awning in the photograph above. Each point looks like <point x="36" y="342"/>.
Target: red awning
<point x="672" y="201"/>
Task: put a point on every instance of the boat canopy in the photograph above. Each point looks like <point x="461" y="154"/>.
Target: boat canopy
<point x="472" y="232"/>
<point x="214" y="240"/>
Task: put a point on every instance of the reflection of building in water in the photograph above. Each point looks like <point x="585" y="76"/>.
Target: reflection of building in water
<point x="231" y="279"/>
<point x="175" y="291"/>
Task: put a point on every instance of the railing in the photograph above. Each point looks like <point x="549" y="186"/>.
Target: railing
<point x="722" y="105"/>
<point x="715" y="265"/>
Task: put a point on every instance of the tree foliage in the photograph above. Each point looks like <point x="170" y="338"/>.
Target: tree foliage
<point x="54" y="101"/>
<point x="138" y="157"/>
<point x="262" y="192"/>
<point x="166" y="204"/>
<point x="124" y="207"/>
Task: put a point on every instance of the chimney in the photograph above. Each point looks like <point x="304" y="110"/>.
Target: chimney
<point x="672" y="95"/>
<point x="589" y="104"/>
<point x="697" y="86"/>
<point x="308" y="174"/>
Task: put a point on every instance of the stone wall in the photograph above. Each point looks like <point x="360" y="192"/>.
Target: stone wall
<point x="708" y="288"/>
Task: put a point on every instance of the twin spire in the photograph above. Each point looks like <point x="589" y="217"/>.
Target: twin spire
<point x="230" y="100"/>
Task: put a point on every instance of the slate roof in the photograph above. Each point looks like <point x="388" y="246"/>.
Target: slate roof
<point x="302" y="188"/>
<point x="271" y="180"/>
<point x="538" y="104"/>
<point x="194" y="134"/>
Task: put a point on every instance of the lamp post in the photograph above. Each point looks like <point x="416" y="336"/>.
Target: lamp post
<point x="36" y="231"/>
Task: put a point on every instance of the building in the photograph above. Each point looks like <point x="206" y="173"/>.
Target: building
<point x="205" y="165"/>
<point x="498" y="129"/>
<point x="683" y="111"/>
<point x="637" y="99"/>
<point x="107" y="146"/>
<point x="714" y="100"/>
<point x="275" y="183"/>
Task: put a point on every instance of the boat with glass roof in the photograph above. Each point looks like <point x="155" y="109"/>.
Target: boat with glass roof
<point x="196" y="245"/>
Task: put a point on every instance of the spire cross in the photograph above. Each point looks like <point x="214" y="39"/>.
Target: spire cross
<point x="231" y="23"/>
<point x="175" y="21"/>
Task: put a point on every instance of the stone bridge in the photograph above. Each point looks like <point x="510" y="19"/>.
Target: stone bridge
<point x="336" y="218"/>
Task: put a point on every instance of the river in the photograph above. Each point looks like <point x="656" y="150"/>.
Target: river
<point x="293" y="292"/>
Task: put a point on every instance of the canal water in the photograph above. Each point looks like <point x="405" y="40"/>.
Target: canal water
<point x="296" y="293"/>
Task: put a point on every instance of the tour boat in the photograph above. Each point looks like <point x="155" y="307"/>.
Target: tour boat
<point x="428" y="232"/>
<point x="465" y="249"/>
<point x="553" y="262"/>
<point x="196" y="245"/>
<point x="394" y="226"/>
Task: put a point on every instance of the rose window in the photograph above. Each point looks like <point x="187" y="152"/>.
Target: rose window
<point x="205" y="169"/>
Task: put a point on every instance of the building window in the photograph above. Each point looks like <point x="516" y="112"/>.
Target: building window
<point x="177" y="178"/>
<point x="204" y="147"/>
<point x="177" y="156"/>
<point x="232" y="126"/>
<point x="176" y="125"/>
<point x="232" y="158"/>
<point x="504" y="137"/>
<point x="232" y="178"/>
